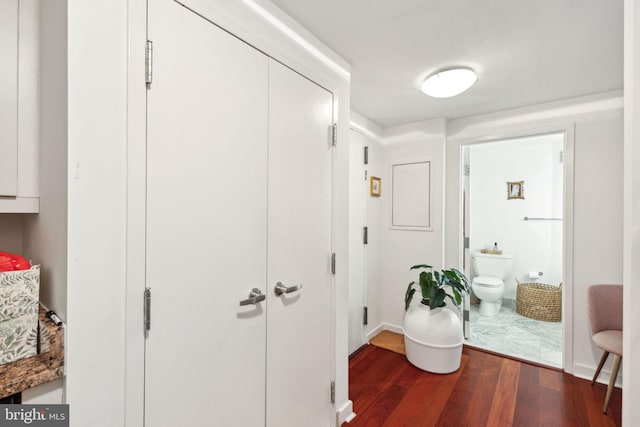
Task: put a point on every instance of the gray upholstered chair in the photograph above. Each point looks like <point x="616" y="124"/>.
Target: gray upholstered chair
<point x="605" y="322"/>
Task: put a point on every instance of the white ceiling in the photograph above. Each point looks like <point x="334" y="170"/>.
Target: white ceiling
<point x="525" y="52"/>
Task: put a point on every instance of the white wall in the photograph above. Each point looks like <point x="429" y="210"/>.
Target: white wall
<point x="405" y="248"/>
<point x="45" y="394"/>
<point x="597" y="218"/>
<point x="535" y="245"/>
<point x="631" y="348"/>
<point x="97" y="129"/>
<point x="597" y="226"/>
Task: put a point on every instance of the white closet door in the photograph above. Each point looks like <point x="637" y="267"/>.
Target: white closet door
<point x="299" y="242"/>
<point x="206" y="219"/>
<point x="358" y="187"/>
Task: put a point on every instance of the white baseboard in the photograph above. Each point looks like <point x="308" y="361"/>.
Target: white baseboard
<point x="375" y="331"/>
<point x="384" y="327"/>
<point x="579" y="370"/>
<point x="345" y="413"/>
<point x="586" y="372"/>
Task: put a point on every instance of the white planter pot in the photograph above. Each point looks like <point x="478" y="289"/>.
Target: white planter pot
<point x="433" y="338"/>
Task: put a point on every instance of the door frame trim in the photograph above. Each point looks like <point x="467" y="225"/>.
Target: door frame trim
<point x="358" y="224"/>
<point x="568" y="130"/>
<point x="135" y="215"/>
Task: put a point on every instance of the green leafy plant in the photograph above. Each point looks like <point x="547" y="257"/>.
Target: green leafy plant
<point x="433" y="286"/>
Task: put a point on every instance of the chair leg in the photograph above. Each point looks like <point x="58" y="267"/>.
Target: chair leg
<point x="600" y="365"/>
<point x="612" y="381"/>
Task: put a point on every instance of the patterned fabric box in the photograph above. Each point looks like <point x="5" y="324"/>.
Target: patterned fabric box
<point x="19" y="304"/>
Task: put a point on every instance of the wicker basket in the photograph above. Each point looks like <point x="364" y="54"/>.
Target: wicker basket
<point x="539" y="301"/>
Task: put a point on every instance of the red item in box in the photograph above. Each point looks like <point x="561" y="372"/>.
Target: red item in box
<point x="13" y="262"/>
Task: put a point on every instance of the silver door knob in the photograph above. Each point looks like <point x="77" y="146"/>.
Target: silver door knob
<point x="255" y="296"/>
<point x="281" y="288"/>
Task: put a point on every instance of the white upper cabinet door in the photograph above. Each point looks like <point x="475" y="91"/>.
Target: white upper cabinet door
<point x="206" y="224"/>
<point x="299" y="322"/>
<point x="8" y="98"/>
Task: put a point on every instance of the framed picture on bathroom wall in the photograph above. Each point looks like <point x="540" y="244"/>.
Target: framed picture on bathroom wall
<point x="515" y="190"/>
<point x="375" y="185"/>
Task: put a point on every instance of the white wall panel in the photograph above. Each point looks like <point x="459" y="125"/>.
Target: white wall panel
<point x="405" y="248"/>
<point x="410" y="206"/>
<point x="597" y="225"/>
<point x="97" y="173"/>
<point x="631" y="348"/>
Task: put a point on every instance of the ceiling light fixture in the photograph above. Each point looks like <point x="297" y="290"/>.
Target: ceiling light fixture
<point x="449" y="82"/>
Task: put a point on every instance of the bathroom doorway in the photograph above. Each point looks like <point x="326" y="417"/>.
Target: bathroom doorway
<point x="513" y="210"/>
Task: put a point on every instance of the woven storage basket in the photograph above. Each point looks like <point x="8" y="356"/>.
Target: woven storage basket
<point x="539" y="301"/>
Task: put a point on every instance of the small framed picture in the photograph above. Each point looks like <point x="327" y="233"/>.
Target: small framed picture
<point x="375" y="185"/>
<point x="515" y="190"/>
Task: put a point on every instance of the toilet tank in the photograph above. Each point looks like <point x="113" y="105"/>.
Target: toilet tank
<point x="491" y="265"/>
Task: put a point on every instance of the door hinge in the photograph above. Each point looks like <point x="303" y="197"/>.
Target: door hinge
<point x="466" y="243"/>
<point x="333" y="263"/>
<point x="467" y="170"/>
<point x="365" y="235"/>
<point x="365" y="320"/>
<point x="333" y="392"/>
<point x="366" y="155"/>
<point x="334" y="135"/>
<point x="148" y="63"/>
<point x="147" y="311"/>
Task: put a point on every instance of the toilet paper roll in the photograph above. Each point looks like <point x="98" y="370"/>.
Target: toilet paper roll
<point x="535" y="274"/>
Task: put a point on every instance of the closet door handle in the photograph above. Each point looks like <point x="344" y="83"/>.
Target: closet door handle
<point x="281" y="288"/>
<point x="255" y="296"/>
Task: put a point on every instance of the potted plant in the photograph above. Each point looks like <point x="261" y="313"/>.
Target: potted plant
<point x="432" y="329"/>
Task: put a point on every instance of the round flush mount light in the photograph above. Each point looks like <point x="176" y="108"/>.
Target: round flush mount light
<point x="449" y="82"/>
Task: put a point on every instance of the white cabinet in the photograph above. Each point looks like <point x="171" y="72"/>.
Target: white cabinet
<point x="18" y="107"/>
<point x="9" y="98"/>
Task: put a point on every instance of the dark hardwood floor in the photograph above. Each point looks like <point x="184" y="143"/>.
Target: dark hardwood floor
<point x="487" y="390"/>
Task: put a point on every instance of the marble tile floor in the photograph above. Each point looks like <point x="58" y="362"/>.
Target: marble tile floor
<point x="518" y="336"/>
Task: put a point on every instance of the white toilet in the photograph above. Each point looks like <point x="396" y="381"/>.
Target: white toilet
<point x="488" y="285"/>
